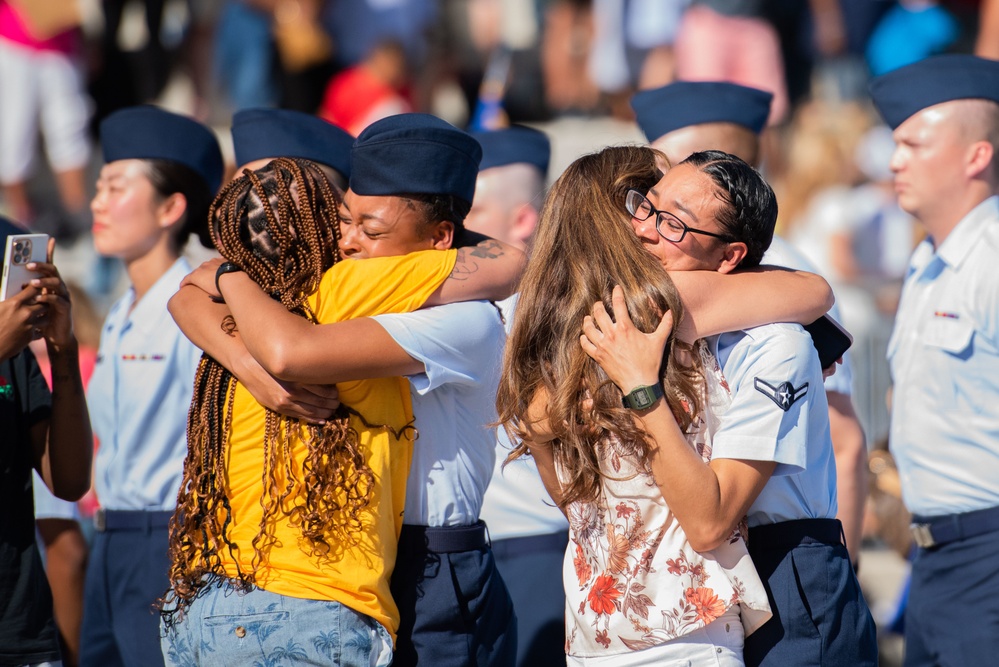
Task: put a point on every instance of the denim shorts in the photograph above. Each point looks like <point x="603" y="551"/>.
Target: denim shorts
<point x="227" y="627"/>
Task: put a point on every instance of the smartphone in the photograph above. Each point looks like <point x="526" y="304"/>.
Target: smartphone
<point x="22" y="249"/>
<point x="830" y="339"/>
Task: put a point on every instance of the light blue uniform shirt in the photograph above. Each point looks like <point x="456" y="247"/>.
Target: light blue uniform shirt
<point x="944" y="360"/>
<point x="454" y="403"/>
<point x="778" y="413"/>
<point x="139" y="396"/>
<point x="517" y="503"/>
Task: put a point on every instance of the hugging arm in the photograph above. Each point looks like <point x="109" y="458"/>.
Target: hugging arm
<point x="201" y="320"/>
<point x="717" y="302"/>
<point x="290" y="347"/>
<point x="484" y="269"/>
<point x="707" y="499"/>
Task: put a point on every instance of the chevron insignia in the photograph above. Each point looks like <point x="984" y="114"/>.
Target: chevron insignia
<point x="784" y="394"/>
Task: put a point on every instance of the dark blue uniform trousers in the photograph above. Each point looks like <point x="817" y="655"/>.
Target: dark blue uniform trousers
<point x="952" y="617"/>
<point x="454" y="607"/>
<point x="531" y="567"/>
<point x="126" y="575"/>
<point x="820" y="616"/>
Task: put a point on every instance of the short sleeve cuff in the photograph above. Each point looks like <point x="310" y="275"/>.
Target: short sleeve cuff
<point x="759" y="449"/>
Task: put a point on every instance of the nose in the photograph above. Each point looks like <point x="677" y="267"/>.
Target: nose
<point x="97" y="203"/>
<point x="895" y="165"/>
<point x="645" y="229"/>
<point x="348" y="241"/>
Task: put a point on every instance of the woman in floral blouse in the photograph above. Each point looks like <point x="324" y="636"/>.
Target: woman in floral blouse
<point x="636" y="592"/>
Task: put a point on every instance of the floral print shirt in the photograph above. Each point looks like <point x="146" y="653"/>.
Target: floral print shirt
<point x="632" y="580"/>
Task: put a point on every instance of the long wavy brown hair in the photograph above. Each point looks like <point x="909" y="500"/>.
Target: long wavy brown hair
<point x="583" y="247"/>
<point x="280" y="224"/>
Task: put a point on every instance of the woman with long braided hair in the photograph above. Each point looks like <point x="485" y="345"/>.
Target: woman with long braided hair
<point x="275" y="513"/>
<point x="285" y="242"/>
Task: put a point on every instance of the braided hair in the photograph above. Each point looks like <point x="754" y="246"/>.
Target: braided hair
<point x="280" y="224"/>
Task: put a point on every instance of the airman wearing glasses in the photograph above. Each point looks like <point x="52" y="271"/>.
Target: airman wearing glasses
<point x="772" y="457"/>
<point x="684" y="117"/>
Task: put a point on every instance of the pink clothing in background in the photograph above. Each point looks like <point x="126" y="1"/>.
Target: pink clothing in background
<point x="15" y="29"/>
<point x="738" y="49"/>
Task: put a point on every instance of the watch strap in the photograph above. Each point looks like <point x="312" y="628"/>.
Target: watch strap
<point x="224" y="268"/>
<point x="643" y="397"/>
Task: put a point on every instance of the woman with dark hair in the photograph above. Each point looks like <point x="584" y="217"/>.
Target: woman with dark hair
<point x="637" y="592"/>
<point x="154" y="191"/>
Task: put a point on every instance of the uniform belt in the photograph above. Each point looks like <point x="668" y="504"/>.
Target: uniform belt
<point x="105" y="520"/>
<point x="445" y="539"/>
<point x="934" y="531"/>
<point x="531" y="544"/>
<point x="789" y="534"/>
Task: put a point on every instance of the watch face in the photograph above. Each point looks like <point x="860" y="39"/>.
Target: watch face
<point x="641" y="398"/>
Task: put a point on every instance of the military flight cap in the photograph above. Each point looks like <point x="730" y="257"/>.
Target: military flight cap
<point x="908" y="90"/>
<point x="414" y="153"/>
<point x="151" y="133"/>
<point x="683" y="103"/>
<point x="514" y="144"/>
<point x="259" y="134"/>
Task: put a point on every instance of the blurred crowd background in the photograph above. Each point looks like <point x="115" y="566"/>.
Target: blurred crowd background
<point x="567" y="67"/>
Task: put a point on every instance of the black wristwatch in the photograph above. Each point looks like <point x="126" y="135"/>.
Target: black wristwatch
<point x="643" y="397"/>
<point x="224" y="268"/>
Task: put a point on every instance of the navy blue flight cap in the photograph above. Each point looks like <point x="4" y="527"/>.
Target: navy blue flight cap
<point x="908" y="90"/>
<point x="512" y="145"/>
<point x="150" y="133"/>
<point x="683" y="103"/>
<point x="414" y="153"/>
<point x="259" y="134"/>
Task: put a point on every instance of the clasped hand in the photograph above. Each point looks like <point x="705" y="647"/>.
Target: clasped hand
<point x="203" y="277"/>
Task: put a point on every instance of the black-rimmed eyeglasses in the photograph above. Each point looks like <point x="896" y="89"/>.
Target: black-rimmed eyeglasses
<point x="670" y="227"/>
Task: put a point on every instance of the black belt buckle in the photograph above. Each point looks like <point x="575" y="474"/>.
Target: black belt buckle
<point x="922" y="535"/>
<point x="100" y="520"/>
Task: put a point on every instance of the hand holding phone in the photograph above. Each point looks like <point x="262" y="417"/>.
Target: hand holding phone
<point x="22" y="249"/>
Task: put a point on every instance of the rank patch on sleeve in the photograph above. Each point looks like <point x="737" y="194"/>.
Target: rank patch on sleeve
<point x="784" y="394"/>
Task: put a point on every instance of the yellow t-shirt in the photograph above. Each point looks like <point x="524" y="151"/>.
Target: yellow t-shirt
<point x="357" y="577"/>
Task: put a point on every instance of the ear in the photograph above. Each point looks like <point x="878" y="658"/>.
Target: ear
<point x="732" y="256"/>
<point x="442" y="234"/>
<point x="524" y="223"/>
<point x="980" y="156"/>
<point x="171" y="210"/>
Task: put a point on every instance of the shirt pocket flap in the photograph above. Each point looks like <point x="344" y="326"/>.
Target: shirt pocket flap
<point x="950" y="334"/>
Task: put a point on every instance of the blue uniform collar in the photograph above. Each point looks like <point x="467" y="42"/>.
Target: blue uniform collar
<point x="150" y="310"/>
<point x="968" y="232"/>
